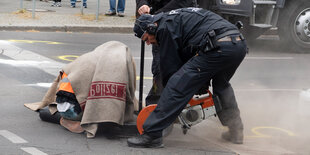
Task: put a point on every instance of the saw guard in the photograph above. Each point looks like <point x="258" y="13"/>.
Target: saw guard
<point x="143" y="115"/>
<point x="204" y="102"/>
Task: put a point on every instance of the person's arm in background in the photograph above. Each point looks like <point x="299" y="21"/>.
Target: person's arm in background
<point x="176" y="4"/>
<point x="142" y="7"/>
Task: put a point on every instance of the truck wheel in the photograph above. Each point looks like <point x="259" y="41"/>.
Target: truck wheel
<point x="294" y="25"/>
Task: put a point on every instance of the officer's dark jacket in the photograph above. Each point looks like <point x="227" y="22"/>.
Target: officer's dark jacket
<point x="164" y="5"/>
<point x="182" y="29"/>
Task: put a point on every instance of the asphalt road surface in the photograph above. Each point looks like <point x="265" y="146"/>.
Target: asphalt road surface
<point x="268" y="86"/>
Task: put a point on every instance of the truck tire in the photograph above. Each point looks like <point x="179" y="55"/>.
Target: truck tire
<point x="294" y="25"/>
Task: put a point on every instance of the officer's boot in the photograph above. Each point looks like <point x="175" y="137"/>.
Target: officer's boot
<point x="234" y="135"/>
<point x="235" y="132"/>
<point x="145" y="141"/>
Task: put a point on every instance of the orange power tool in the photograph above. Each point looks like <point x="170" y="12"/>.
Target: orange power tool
<point x="199" y="108"/>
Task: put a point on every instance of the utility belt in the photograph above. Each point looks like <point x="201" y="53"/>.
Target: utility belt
<point x="211" y="39"/>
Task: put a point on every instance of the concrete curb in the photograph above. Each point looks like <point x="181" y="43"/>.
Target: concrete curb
<point x="70" y="28"/>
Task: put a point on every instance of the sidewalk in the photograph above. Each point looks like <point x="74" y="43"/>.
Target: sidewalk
<point x="64" y="18"/>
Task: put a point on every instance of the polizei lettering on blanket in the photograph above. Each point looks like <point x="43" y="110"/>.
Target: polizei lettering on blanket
<point x="107" y="89"/>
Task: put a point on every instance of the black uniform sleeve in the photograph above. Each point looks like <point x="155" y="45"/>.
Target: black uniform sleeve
<point x="170" y="60"/>
<point x="176" y="4"/>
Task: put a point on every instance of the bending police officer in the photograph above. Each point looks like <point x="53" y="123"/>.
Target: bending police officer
<point x="196" y="46"/>
<point x="155" y="7"/>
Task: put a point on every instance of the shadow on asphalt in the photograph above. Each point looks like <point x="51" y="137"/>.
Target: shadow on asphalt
<point x="115" y="131"/>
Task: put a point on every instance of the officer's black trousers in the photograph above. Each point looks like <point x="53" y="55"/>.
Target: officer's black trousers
<point x="218" y="65"/>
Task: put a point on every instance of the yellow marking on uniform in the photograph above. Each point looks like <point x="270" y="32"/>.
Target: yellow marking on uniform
<point x="67" y="57"/>
<point x="35" y="41"/>
<point x="261" y="135"/>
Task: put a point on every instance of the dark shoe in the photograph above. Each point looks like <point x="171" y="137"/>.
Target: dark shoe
<point x="45" y="115"/>
<point x="145" y="141"/>
<point x="72" y="6"/>
<point x="234" y="136"/>
<point x="110" y="13"/>
<point x="85" y="5"/>
<point x="121" y="14"/>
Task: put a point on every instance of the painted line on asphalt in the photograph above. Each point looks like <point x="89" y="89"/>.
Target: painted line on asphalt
<point x="144" y="77"/>
<point x="33" y="151"/>
<point x="46" y="85"/>
<point x="259" y="134"/>
<point x="18" y="54"/>
<point x="18" y="140"/>
<point x="21" y="63"/>
<point x="146" y="58"/>
<point x="12" y="137"/>
<point x="35" y="41"/>
<point x="68" y="57"/>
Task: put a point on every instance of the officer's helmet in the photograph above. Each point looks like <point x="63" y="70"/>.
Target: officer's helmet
<point x="142" y="23"/>
<point x="145" y="23"/>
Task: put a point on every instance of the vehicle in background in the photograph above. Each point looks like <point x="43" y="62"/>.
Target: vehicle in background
<point x="291" y="18"/>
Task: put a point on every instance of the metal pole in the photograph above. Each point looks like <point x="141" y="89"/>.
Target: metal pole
<point x="33" y="8"/>
<point x="141" y="74"/>
<point x="82" y="7"/>
<point x="97" y="13"/>
<point x="21" y="5"/>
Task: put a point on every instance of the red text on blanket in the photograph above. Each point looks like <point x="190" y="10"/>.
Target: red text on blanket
<point x="107" y="89"/>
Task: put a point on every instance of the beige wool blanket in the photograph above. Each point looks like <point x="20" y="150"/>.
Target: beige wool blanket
<point x="104" y="80"/>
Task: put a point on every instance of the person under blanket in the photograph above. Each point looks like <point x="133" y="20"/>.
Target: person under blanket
<point x="102" y="90"/>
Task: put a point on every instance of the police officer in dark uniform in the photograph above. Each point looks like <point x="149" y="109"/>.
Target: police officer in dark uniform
<point x="196" y="46"/>
<point x="155" y="7"/>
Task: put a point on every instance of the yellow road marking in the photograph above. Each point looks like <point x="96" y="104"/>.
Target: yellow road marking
<point x="35" y="41"/>
<point x="261" y="135"/>
<point x="145" y="78"/>
<point x="32" y="30"/>
<point x="67" y="57"/>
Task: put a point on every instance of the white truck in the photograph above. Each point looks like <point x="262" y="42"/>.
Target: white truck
<point x="291" y="18"/>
